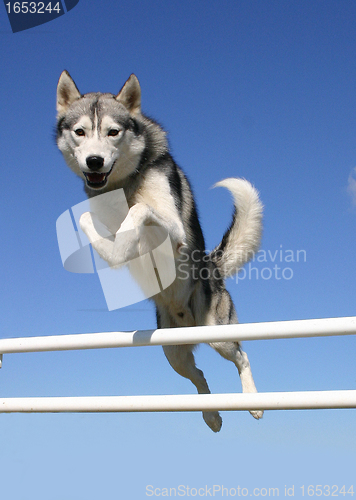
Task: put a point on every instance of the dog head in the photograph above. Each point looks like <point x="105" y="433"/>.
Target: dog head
<point x="100" y="135"/>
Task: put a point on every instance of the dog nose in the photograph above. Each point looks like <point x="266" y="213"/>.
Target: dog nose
<point x="95" y="162"/>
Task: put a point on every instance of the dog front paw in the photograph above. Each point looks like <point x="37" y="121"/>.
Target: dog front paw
<point x="126" y="246"/>
<point x="85" y="222"/>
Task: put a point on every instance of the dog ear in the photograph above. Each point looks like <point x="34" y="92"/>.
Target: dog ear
<point x="67" y="92"/>
<point x="130" y="95"/>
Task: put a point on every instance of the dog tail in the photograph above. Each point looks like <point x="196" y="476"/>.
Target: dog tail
<point x="242" y="239"/>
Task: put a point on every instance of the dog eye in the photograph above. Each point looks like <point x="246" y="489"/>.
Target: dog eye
<point x="79" y="132"/>
<point x="113" y="132"/>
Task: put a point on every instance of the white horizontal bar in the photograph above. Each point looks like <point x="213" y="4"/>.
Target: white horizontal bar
<point x="191" y="335"/>
<point x="190" y="402"/>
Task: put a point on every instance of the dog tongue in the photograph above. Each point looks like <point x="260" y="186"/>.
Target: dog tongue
<point x="96" y="178"/>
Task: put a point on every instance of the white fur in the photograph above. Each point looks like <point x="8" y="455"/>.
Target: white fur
<point x="246" y="231"/>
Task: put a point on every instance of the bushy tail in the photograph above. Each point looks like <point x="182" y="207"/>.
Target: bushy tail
<point x="243" y="237"/>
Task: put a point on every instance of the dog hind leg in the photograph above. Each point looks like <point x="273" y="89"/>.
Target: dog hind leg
<point x="181" y="358"/>
<point x="232" y="352"/>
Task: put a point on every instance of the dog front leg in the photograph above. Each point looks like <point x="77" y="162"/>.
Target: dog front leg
<point x="126" y="245"/>
<point x="115" y="250"/>
<point x="97" y="236"/>
<point x="144" y="215"/>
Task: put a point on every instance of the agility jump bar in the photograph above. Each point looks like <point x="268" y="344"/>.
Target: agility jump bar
<point x="188" y="335"/>
<point x="197" y="402"/>
<point x="188" y="402"/>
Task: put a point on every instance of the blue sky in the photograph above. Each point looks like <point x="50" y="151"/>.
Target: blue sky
<point x="258" y="89"/>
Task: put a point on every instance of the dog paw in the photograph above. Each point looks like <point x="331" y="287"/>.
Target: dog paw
<point x="85" y="221"/>
<point x="94" y="229"/>
<point x="127" y="246"/>
<point x="257" y="414"/>
<point x="213" y="420"/>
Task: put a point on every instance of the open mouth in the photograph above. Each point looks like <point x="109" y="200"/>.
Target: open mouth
<point x="96" y="180"/>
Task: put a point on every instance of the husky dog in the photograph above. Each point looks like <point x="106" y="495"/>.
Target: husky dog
<point x="108" y="142"/>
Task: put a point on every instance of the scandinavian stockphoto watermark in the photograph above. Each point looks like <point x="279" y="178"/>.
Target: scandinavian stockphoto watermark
<point x="272" y="264"/>
<point x="263" y="265"/>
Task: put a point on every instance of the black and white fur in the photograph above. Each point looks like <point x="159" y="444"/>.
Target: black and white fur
<point x="108" y="142"/>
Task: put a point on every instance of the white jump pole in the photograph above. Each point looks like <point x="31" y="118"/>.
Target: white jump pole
<point x="191" y="402"/>
<point x="201" y="402"/>
<point x="190" y="335"/>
